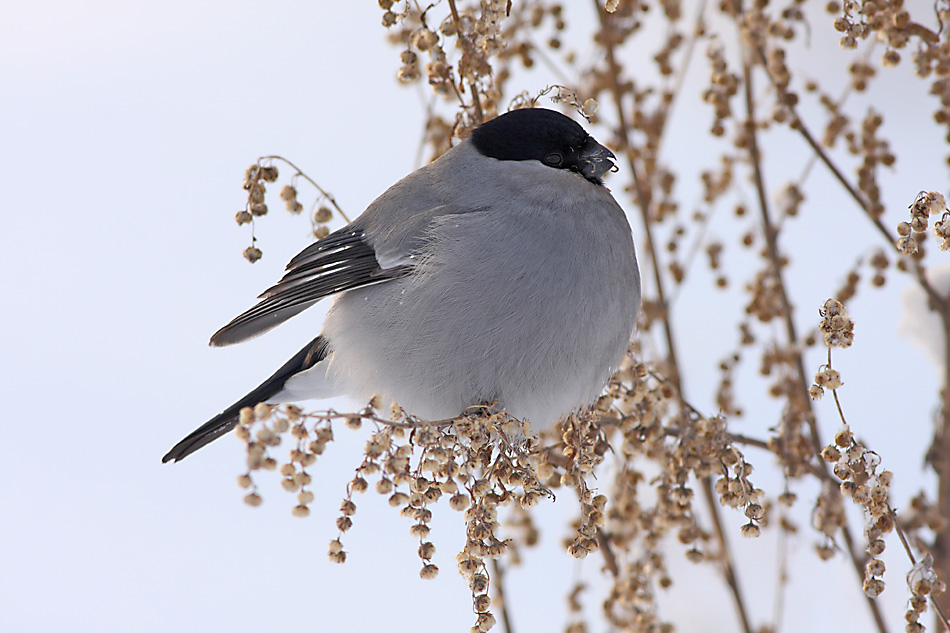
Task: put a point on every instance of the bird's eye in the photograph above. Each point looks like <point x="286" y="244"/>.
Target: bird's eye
<point x="553" y="160"/>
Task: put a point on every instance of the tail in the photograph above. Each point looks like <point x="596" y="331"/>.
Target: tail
<point x="313" y="353"/>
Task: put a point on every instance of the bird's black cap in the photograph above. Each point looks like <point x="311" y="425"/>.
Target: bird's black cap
<point x="543" y="135"/>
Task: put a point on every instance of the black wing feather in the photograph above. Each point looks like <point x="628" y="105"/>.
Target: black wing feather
<point x="341" y="261"/>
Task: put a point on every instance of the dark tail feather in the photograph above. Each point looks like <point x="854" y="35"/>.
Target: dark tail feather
<point x="220" y="424"/>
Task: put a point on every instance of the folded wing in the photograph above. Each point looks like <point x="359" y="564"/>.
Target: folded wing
<point x="341" y="261"/>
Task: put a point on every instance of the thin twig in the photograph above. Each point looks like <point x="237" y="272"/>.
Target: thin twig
<point x="455" y="16"/>
<point x="939" y="459"/>
<point x="609" y="558"/>
<point x="498" y="575"/>
<point x="772" y="252"/>
<point x="733" y="437"/>
<point x="469" y="48"/>
<point x="778" y="608"/>
<point x="838" y="103"/>
<point x="799" y="125"/>
<point x="739" y="438"/>
<point x="683" y="69"/>
<point x="732" y="579"/>
<point x="771" y="233"/>
<point x="547" y="61"/>
<point x="325" y="194"/>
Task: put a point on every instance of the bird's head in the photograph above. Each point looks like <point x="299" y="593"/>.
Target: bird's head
<point x="546" y="136"/>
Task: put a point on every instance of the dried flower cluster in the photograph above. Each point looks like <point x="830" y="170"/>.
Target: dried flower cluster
<point x="923" y="583"/>
<point x="643" y="419"/>
<point x="255" y="178"/>
<point x="926" y="204"/>
<point x="857" y="468"/>
<point x="923" y="580"/>
<point x="836" y="326"/>
<point x="470" y="461"/>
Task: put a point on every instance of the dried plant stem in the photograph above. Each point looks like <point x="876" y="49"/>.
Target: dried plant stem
<point x="738" y="438"/>
<point x="550" y="64"/>
<point x="939" y="460"/>
<point x="470" y="50"/>
<point x="942" y="305"/>
<point x="455" y="15"/>
<point x="407" y="426"/>
<point x="839" y="103"/>
<point x="608" y="553"/>
<point x="799" y="126"/>
<point x="771" y="238"/>
<point x="325" y="194"/>
<point x="670" y="97"/>
<point x="725" y="555"/>
<point x="498" y="578"/>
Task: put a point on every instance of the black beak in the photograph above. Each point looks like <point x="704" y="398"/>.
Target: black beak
<point x="596" y="160"/>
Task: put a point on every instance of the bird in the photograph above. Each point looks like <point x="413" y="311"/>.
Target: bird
<point x="502" y="272"/>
